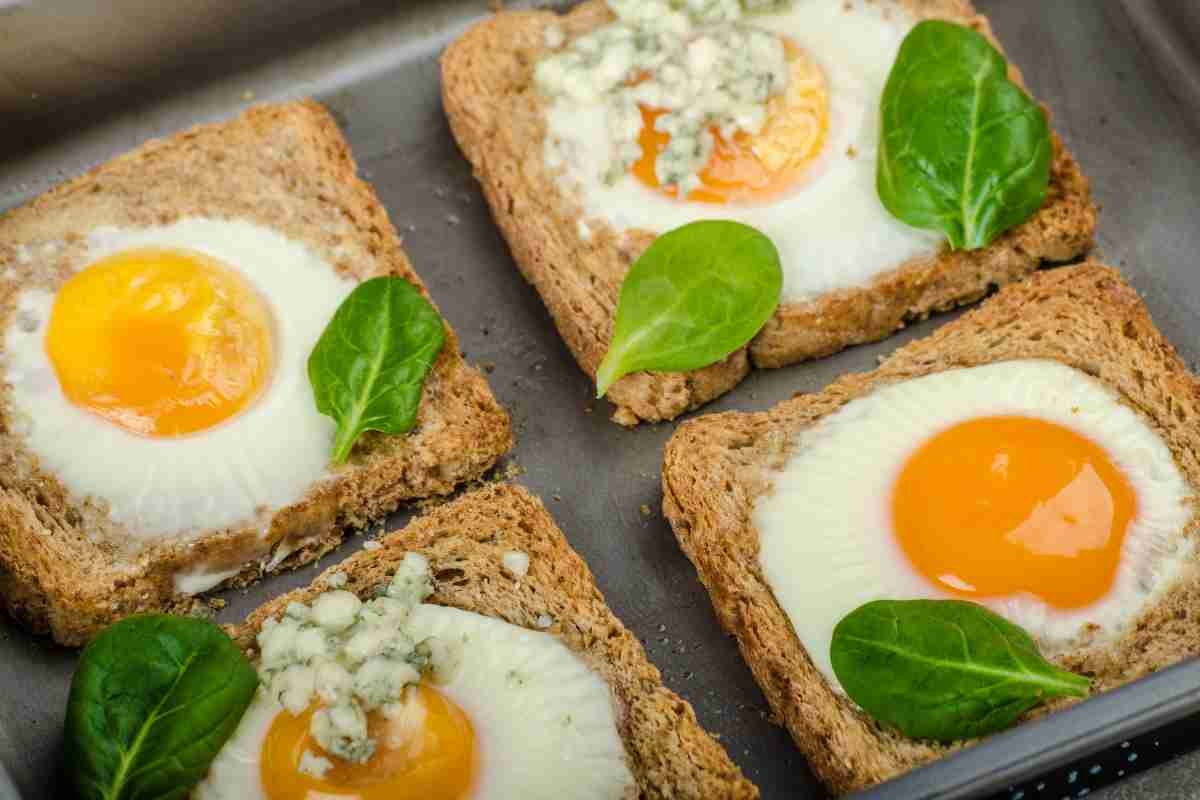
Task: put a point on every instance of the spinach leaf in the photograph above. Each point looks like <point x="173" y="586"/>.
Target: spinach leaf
<point x="153" y="700"/>
<point x="697" y="294"/>
<point x="963" y="149"/>
<point x="369" y="365"/>
<point x="943" y="669"/>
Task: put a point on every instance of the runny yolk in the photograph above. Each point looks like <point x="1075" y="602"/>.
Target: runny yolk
<point x="160" y="342"/>
<point x="431" y="757"/>
<point x="749" y="169"/>
<point x="1001" y="505"/>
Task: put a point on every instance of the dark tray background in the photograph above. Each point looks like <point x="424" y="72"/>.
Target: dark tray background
<point x="78" y="86"/>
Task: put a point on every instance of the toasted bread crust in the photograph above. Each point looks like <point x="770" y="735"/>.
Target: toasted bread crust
<point x="670" y="755"/>
<point x="63" y="568"/>
<point x="716" y="467"/>
<point x="496" y="117"/>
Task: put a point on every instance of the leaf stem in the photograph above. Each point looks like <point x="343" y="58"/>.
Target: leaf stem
<point x="1061" y="682"/>
<point x="127" y="758"/>
<point x="343" y="443"/>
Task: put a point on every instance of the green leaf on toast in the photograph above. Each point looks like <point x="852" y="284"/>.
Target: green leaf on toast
<point x="943" y="669"/>
<point x="963" y="149"/>
<point x="369" y="366"/>
<point x="697" y="294"/>
<point x="153" y="700"/>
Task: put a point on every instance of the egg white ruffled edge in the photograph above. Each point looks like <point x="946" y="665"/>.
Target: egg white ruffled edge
<point x="576" y="143"/>
<point x="577" y="731"/>
<point x="117" y="458"/>
<point x="1155" y="549"/>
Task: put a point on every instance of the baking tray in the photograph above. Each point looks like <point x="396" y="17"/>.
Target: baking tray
<point x="80" y="82"/>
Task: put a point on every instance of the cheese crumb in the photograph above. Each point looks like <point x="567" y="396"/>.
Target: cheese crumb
<point x="335" y="610"/>
<point x="371" y="544"/>
<point x="314" y="766"/>
<point x="352" y="656"/>
<point x="516" y="562"/>
<point x="545" y="621"/>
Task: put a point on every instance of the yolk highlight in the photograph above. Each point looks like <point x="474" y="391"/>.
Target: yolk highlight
<point x="432" y="758"/>
<point x="160" y="342"/>
<point x="754" y="168"/>
<point x="1001" y="505"/>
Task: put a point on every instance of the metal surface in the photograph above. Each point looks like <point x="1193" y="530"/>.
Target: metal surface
<point x="1054" y="741"/>
<point x="375" y="66"/>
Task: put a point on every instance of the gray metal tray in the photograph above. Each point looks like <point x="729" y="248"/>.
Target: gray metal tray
<point x="80" y="82"/>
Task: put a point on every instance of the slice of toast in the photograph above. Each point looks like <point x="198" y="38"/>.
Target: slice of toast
<point x="285" y="167"/>
<point x="668" y="752"/>
<point x="717" y="466"/>
<point x="497" y="117"/>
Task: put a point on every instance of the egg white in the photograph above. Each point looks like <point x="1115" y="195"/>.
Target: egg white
<point x="825" y="530"/>
<point x="265" y="457"/>
<point x="545" y="725"/>
<point x="831" y="231"/>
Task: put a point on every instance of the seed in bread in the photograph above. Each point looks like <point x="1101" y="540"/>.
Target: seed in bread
<point x="468" y="547"/>
<point x="723" y="474"/>
<point x="138" y="475"/>
<point x="515" y="94"/>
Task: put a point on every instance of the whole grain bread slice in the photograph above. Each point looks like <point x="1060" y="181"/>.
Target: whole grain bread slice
<point x="65" y="567"/>
<point x="717" y="466"/>
<point x="497" y="117"/>
<point x="668" y="752"/>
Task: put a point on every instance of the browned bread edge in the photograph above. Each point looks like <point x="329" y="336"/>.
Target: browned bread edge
<point x="670" y="755"/>
<point x="716" y="466"/>
<point x="495" y="116"/>
<point x="284" y="166"/>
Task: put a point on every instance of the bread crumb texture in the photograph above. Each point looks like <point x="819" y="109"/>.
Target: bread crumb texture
<point x="716" y="467"/>
<point x="466" y="542"/>
<point x="497" y="118"/>
<point x="65" y="567"/>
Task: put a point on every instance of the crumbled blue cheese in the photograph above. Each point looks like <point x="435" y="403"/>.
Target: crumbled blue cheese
<point x="353" y="657"/>
<point x="693" y="59"/>
<point x="341" y="731"/>
<point x="336" y="610"/>
<point x="412" y="582"/>
<point x="444" y="657"/>
<point x="313" y="765"/>
<point x="334" y="683"/>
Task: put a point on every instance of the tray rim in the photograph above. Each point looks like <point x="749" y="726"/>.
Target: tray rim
<point x="1044" y="745"/>
<point x="1036" y="747"/>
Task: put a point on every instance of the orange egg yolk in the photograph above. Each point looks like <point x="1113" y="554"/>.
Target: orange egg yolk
<point x="432" y="758"/>
<point x="1000" y="505"/>
<point x="751" y="169"/>
<point x="160" y="342"/>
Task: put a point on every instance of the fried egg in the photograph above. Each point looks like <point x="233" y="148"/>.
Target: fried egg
<point x="806" y="178"/>
<point x="518" y="717"/>
<point x="167" y="377"/>
<point x="1025" y="485"/>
